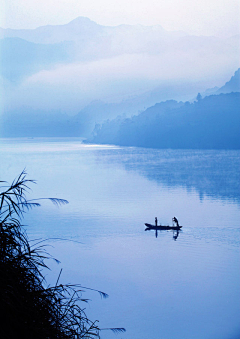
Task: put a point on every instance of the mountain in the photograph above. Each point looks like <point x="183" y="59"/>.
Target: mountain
<point x="98" y="111"/>
<point x="209" y="123"/>
<point x="89" y="41"/>
<point x="20" y="58"/>
<point x="233" y="85"/>
<point x="83" y="28"/>
<point x="77" y="29"/>
<point x="92" y="41"/>
<point x="27" y="121"/>
<point x="91" y="72"/>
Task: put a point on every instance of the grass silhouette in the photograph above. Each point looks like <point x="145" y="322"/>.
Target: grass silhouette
<point x="28" y="308"/>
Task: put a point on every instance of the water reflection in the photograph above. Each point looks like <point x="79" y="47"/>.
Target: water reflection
<point x="158" y="229"/>
<point x="212" y="173"/>
<point x="175" y="235"/>
<point x="111" y="192"/>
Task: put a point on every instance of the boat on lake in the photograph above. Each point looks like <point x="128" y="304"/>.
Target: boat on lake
<point x="175" y="226"/>
<point x="162" y="227"/>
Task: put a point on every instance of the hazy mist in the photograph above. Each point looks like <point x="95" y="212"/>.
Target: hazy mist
<point x="95" y="62"/>
<point x="64" y="79"/>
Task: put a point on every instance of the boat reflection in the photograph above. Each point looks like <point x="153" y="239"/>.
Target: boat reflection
<point x="175" y="235"/>
<point x="159" y="229"/>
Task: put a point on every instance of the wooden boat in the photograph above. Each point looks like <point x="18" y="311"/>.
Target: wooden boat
<point x="162" y="227"/>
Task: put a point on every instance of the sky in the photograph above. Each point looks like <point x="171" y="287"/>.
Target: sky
<point x="199" y="17"/>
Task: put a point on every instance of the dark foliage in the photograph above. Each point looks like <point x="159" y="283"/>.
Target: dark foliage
<point x="209" y="123"/>
<point x="28" y="309"/>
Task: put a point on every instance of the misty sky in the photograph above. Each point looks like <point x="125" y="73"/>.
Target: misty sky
<point x="200" y="17"/>
<point x="124" y="61"/>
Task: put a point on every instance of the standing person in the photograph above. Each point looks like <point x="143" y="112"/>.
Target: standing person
<point x="156" y="221"/>
<point x="174" y="219"/>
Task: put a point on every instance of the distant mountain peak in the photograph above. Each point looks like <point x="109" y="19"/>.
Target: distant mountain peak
<point x="233" y="85"/>
<point x="82" y="20"/>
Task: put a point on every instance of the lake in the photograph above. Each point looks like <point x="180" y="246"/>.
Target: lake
<point x="160" y="286"/>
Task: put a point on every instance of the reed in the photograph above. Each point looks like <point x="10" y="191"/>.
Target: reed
<point x="29" y="308"/>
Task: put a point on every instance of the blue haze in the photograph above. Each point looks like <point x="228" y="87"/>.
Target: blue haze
<point x="158" y="287"/>
<point x="90" y="73"/>
<point x="137" y="86"/>
<point x="20" y="58"/>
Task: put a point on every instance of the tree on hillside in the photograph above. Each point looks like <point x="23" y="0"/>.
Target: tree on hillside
<point x="199" y="97"/>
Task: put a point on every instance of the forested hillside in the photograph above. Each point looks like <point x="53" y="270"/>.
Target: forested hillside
<point x="209" y="123"/>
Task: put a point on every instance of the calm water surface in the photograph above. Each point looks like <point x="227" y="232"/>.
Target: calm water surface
<point x="159" y="287"/>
